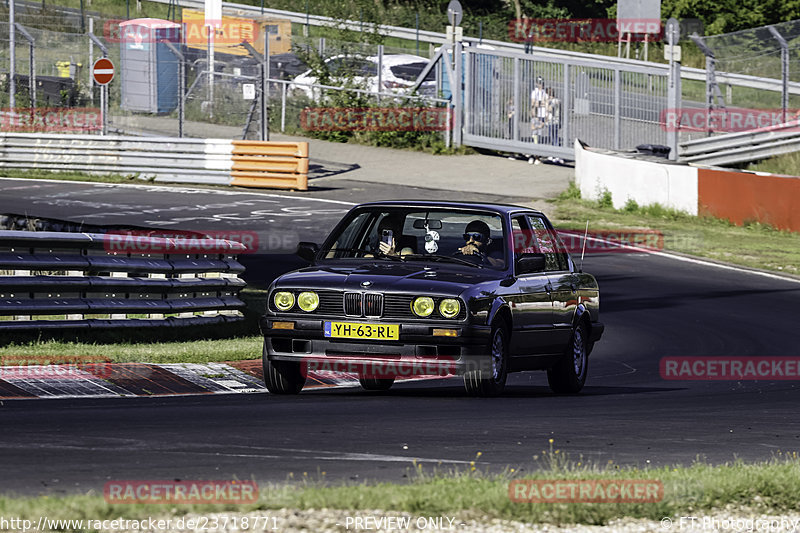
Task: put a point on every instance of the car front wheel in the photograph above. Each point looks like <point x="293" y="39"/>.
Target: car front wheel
<point x="569" y="374"/>
<point x="282" y="377"/>
<point x="492" y="381"/>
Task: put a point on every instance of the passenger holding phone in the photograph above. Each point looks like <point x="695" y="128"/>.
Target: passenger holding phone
<point x="390" y="229"/>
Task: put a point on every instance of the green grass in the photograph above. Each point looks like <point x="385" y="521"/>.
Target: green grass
<point x="771" y="486"/>
<point x="788" y="164"/>
<point x="753" y="245"/>
<point x="198" y="351"/>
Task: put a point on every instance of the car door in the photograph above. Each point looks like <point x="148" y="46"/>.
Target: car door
<point x="562" y="280"/>
<point x="529" y="298"/>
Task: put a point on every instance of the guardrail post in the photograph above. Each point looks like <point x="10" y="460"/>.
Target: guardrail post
<point x="380" y="70"/>
<point x="12" y="54"/>
<point x="784" y="69"/>
<point x="265" y="88"/>
<point x="516" y="103"/>
<point x="712" y="88"/>
<point x="566" y="111"/>
<point x="673" y="95"/>
<point x="32" y="77"/>
<point x="457" y="94"/>
<point x="181" y="82"/>
<point x="617" y="108"/>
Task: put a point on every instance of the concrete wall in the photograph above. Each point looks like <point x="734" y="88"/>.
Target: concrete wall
<point x="646" y="182"/>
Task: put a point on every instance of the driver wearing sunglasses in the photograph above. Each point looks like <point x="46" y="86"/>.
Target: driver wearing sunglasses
<point x="476" y="237"/>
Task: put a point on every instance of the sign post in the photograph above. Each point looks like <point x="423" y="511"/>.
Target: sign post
<point x="674" y="85"/>
<point x="213" y="12"/>
<point x="103" y="73"/>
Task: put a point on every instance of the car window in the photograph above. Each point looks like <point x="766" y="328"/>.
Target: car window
<point x="420" y="235"/>
<point x="524" y="240"/>
<point x="350" y="238"/>
<point x="409" y="71"/>
<point x="554" y="253"/>
<point x="352" y="66"/>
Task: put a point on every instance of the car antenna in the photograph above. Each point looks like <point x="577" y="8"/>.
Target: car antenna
<point x="585" y="237"/>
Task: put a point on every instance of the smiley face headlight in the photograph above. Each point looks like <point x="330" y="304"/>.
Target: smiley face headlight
<point x="308" y="301"/>
<point x="283" y="300"/>
<point x="449" y="307"/>
<point x="422" y="306"/>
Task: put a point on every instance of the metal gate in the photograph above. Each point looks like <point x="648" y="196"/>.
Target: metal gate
<point x="516" y="102"/>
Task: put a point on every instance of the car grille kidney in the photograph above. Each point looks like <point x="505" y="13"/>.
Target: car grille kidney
<point x="363" y="304"/>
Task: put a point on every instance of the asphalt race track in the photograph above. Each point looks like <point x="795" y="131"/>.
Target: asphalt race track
<point x="653" y="306"/>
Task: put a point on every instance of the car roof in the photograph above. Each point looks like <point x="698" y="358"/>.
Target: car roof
<point x="488" y="206"/>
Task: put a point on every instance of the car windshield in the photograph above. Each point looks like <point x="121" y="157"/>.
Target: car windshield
<point x="472" y="238"/>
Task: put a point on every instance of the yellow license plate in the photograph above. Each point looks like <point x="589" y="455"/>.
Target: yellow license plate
<point x="350" y="330"/>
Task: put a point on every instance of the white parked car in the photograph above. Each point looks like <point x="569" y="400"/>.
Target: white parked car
<point x="399" y="73"/>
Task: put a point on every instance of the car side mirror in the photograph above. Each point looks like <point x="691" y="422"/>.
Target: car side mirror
<point x="529" y="263"/>
<point x="307" y="250"/>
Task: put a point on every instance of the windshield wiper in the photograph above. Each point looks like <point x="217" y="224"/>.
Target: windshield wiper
<point x="447" y="258"/>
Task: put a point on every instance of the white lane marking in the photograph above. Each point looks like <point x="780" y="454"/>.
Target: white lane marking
<point x="150" y="188"/>
<point x="727" y="267"/>
<point x="696" y="260"/>
<point x="333" y="456"/>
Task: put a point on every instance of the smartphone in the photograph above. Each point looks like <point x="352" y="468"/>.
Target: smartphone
<point x="387" y="236"/>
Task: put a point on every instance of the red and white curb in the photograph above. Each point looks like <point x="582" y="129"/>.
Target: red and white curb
<point x="114" y="380"/>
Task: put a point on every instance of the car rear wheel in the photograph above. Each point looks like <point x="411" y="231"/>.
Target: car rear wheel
<point x="569" y="374"/>
<point x="491" y="382"/>
<point x="376" y="384"/>
<point x="282" y="377"/>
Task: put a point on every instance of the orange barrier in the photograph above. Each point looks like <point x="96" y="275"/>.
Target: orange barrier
<point x="282" y="165"/>
<point x="746" y="196"/>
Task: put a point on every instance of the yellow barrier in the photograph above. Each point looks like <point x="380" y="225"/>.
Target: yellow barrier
<point x="267" y="164"/>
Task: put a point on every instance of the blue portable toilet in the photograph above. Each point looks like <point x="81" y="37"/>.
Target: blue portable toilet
<point x="148" y="69"/>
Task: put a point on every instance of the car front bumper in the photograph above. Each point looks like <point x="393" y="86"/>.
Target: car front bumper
<point x="417" y="351"/>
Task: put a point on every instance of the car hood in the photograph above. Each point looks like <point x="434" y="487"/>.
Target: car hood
<point x="389" y="277"/>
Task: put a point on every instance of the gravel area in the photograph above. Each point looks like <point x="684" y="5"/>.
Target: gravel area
<point x="335" y="520"/>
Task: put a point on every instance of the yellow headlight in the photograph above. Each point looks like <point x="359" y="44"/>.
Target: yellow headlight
<point x="449" y="307"/>
<point x="283" y="300"/>
<point x="308" y="301"/>
<point x="423" y="306"/>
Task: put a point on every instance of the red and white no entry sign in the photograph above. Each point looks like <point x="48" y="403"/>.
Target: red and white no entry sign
<point x="103" y="71"/>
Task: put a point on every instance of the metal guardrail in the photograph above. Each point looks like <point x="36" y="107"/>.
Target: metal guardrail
<point x="165" y="158"/>
<point x="83" y="280"/>
<point x="741" y="147"/>
<point x="208" y="161"/>
<point x="536" y="52"/>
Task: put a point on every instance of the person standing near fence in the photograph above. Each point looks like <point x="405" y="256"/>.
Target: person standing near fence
<point x="553" y="121"/>
<point x="553" y="117"/>
<point x="538" y="115"/>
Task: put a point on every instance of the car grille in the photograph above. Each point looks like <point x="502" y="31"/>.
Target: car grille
<point x="352" y="303"/>
<point x="363" y="304"/>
